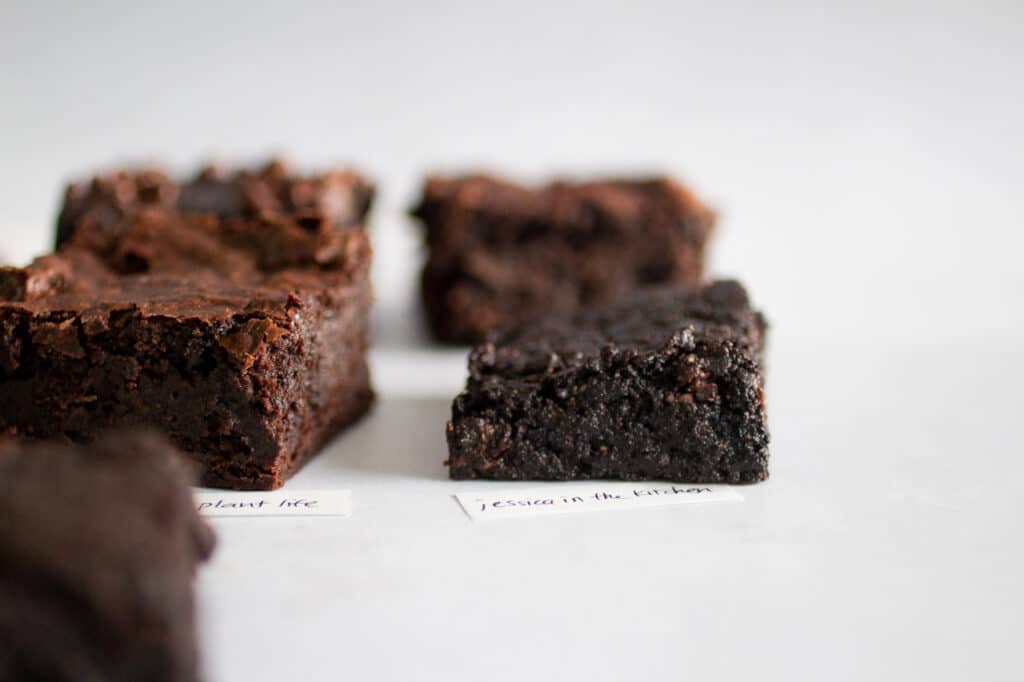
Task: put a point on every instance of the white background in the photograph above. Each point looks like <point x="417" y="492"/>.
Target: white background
<point x="867" y="159"/>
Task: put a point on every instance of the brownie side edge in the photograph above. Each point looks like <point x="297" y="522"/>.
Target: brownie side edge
<point x="71" y="378"/>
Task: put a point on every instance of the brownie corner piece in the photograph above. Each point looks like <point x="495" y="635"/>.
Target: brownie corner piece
<point x="499" y="252"/>
<point x="242" y="337"/>
<point x="99" y="547"/>
<point x="665" y="385"/>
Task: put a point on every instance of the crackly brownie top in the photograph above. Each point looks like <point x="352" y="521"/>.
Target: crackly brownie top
<point x="338" y="198"/>
<point x="647" y="324"/>
<point x="498" y="205"/>
<point x="164" y="262"/>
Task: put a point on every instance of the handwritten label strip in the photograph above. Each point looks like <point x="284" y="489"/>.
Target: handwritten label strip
<point x="558" y="499"/>
<point x="274" y="503"/>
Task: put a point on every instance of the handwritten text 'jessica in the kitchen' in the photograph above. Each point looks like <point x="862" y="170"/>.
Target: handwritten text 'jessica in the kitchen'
<point x="598" y="497"/>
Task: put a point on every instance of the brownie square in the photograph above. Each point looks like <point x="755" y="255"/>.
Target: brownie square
<point x="98" y="550"/>
<point x="499" y="252"/>
<point x="242" y="338"/>
<point x="665" y="385"/>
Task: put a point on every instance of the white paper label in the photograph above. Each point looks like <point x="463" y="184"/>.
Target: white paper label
<point x="594" y="496"/>
<point x="274" y="503"/>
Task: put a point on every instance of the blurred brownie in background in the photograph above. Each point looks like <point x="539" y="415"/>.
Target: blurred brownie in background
<point x="340" y="198"/>
<point x="499" y="252"/>
<point x="98" y="551"/>
<point x="243" y="336"/>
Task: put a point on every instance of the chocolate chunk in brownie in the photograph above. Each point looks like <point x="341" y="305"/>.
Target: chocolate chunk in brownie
<point x="500" y="252"/>
<point x="665" y="385"/>
<point x="338" y="198"/>
<point x="244" y="340"/>
<point x="98" y="551"/>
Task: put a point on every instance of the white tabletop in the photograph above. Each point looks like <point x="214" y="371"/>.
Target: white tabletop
<point x="887" y="544"/>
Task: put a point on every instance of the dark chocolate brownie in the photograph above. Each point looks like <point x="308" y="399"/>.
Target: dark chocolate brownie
<point x="339" y="198"/>
<point x="499" y="252"/>
<point x="244" y="340"/>
<point x="665" y="385"/>
<point x="98" y="551"/>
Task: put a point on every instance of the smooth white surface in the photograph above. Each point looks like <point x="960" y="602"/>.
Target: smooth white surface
<point x="886" y="545"/>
